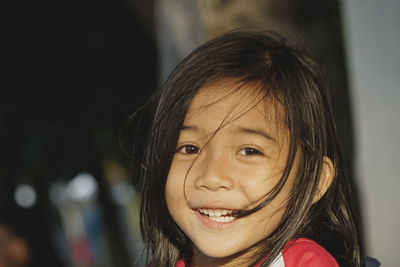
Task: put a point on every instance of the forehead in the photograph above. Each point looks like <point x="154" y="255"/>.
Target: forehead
<point x="228" y="97"/>
<point x="229" y="103"/>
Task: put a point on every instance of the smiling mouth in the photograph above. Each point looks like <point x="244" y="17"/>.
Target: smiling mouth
<point x="219" y="215"/>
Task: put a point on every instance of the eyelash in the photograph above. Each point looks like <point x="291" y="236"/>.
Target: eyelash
<point x="192" y="149"/>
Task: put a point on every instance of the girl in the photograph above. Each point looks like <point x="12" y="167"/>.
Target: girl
<point x="243" y="166"/>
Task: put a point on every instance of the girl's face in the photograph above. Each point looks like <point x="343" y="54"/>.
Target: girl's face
<point x="231" y="152"/>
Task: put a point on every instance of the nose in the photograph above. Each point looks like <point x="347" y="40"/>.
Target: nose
<point x="213" y="171"/>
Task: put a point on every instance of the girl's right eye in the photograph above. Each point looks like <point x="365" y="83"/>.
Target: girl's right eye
<point x="189" y="149"/>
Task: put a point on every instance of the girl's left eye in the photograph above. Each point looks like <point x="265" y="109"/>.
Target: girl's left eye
<point x="249" y="151"/>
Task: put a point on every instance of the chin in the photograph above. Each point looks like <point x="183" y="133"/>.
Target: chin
<point x="217" y="250"/>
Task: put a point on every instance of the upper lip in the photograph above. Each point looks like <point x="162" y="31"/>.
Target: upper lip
<point x="214" y="207"/>
<point x="214" y="204"/>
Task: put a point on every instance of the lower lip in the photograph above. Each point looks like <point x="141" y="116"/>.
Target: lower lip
<point x="213" y="224"/>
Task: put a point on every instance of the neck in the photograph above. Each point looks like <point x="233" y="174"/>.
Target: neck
<point x="201" y="260"/>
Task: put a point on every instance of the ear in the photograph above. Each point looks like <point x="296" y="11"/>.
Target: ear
<point x="327" y="174"/>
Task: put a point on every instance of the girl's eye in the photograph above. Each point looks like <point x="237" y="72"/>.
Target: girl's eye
<point x="189" y="149"/>
<point x="249" y="151"/>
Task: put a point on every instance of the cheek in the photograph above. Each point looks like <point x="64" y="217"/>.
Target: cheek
<point x="173" y="202"/>
<point x="269" y="217"/>
<point x="174" y="188"/>
<point x="258" y="189"/>
<point x="257" y="183"/>
<point x="271" y="176"/>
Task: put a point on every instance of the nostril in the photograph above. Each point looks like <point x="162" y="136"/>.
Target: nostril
<point x="214" y="183"/>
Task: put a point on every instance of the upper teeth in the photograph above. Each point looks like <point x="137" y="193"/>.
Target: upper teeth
<point x="215" y="215"/>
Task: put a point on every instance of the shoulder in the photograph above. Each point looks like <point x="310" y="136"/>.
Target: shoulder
<point x="180" y="263"/>
<point x="304" y="252"/>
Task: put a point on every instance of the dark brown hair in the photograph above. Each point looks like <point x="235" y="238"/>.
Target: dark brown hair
<point x="287" y="72"/>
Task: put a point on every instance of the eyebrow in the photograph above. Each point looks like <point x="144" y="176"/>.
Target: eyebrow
<point x="190" y="128"/>
<point x="255" y="132"/>
<point x="240" y="129"/>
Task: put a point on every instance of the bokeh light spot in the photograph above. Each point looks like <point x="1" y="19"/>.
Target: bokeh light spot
<point x="25" y="196"/>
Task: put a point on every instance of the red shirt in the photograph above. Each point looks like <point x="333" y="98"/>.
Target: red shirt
<point x="300" y="253"/>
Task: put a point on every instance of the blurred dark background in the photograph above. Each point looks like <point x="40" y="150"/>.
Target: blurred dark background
<point x="74" y="71"/>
